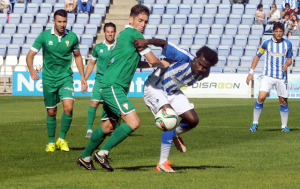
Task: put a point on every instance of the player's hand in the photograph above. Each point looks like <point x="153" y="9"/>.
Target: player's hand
<point x="284" y="67"/>
<point x="165" y="62"/>
<point x="249" y="78"/>
<point x="83" y="85"/>
<point x="140" y="44"/>
<point x="34" y="74"/>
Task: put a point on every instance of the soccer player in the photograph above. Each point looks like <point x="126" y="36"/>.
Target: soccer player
<point x="278" y="58"/>
<point x="162" y="90"/>
<point x="114" y="87"/>
<point x="58" y="45"/>
<point x="100" y="56"/>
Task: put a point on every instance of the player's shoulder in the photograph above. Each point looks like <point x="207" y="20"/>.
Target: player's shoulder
<point x="71" y="33"/>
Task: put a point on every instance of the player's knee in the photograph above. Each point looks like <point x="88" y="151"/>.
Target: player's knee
<point x="193" y="122"/>
<point x="68" y="110"/>
<point x="135" y="124"/>
<point x="52" y="112"/>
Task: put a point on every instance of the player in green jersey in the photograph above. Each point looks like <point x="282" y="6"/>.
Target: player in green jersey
<point x="125" y="58"/>
<point x="58" y="46"/>
<point x="100" y="56"/>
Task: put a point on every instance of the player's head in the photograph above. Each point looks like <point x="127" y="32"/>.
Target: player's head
<point x="138" y="17"/>
<point x="205" y="58"/>
<point x="60" y="21"/>
<point x="278" y="30"/>
<point x="109" y="32"/>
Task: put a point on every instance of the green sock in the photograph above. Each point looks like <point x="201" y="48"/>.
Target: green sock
<point x="65" y="124"/>
<point x="51" y="126"/>
<point x="117" y="137"/>
<point x="90" y="117"/>
<point x="97" y="138"/>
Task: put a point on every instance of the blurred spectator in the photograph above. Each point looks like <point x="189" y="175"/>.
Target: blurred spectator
<point x="286" y="22"/>
<point x="293" y="25"/>
<point x="274" y="14"/>
<point x="287" y="10"/>
<point x="4" y="6"/>
<point x="297" y="9"/>
<point x="292" y="4"/>
<point x="298" y="28"/>
<point x="84" y="6"/>
<point x="12" y="5"/>
<point x="260" y="15"/>
<point x="71" y="6"/>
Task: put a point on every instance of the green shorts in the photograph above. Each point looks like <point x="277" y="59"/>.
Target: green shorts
<point x="96" y="92"/>
<point x="53" y="93"/>
<point x="115" y="102"/>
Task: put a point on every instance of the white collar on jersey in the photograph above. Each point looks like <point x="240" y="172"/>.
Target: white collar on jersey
<point x="128" y="26"/>
<point x="107" y="44"/>
<point x="53" y="33"/>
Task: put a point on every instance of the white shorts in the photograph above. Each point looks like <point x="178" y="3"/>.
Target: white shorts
<point x="267" y="83"/>
<point x="155" y="98"/>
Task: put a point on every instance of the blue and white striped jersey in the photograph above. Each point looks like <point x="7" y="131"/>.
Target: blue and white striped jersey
<point x="276" y="55"/>
<point x="179" y="74"/>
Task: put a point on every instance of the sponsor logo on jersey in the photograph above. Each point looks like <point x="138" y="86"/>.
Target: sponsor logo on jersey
<point x="101" y="50"/>
<point x="50" y="43"/>
<point x="125" y="105"/>
<point x="67" y="43"/>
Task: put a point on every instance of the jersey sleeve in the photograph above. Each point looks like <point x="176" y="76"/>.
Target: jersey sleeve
<point x="38" y="43"/>
<point x="262" y="48"/>
<point x="94" y="54"/>
<point x="174" y="53"/>
<point x="289" y="52"/>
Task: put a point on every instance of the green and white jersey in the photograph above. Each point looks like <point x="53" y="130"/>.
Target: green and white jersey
<point x="124" y="59"/>
<point x="57" y="54"/>
<point x="101" y="53"/>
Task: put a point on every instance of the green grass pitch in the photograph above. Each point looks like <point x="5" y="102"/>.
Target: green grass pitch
<point x="221" y="152"/>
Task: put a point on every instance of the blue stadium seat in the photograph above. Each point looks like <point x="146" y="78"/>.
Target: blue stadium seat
<point x="13" y="49"/>
<point x="163" y="37"/>
<point x="257" y="30"/>
<point x="297" y="61"/>
<point x="197" y="9"/>
<point x="201" y="2"/>
<point x="18" y="39"/>
<point x="213" y="40"/>
<point x="227" y="40"/>
<point x="1" y="28"/>
<point x="177" y="2"/>
<point x="162" y="2"/>
<point x="217" y="2"/>
<point x="188" y="2"/>
<point x="24" y="50"/>
<point x="195" y="48"/>
<point x="237" y="9"/>
<point x="247" y="19"/>
<point x="19" y="8"/>
<point x="172" y="9"/>
<point x="187" y="39"/>
<point x="266" y="37"/>
<point x="216" y="70"/>
<point x="233" y="61"/>
<point x="104" y="2"/>
<point x="224" y="9"/>
<point x="46" y="8"/>
<point x="217" y="29"/>
<point x="200" y="39"/>
<point x="61" y="1"/>
<point x="237" y="50"/>
<point x="255" y="2"/>
<point x="5" y="38"/>
<point x="82" y="19"/>
<point x="251" y="9"/>
<point x="227" y="2"/>
<point x="294" y="40"/>
<point x="23" y="29"/>
<point x="96" y="19"/>
<point x="230" y="29"/>
<point x="254" y="40"/>
<point x="167" y="19"/>
<point x="163" y="29"/>
<point x="30" y="38"/>
<point x="295" y="52"/>
<point x="3" y="49"/>
<point x="174" y="39"/>
<point x="148" y="36"/>
<point x="3" y="19"/>
<point x="194" y="19"/>
<point x="222" y="61"/>
<point x="78" y="29"/>
<point x="207" y="19"/>
<point x="250" y="50"/>
<point x="41" y="19"/>
<point x="221" y="19"/>
<point x="150" y="30"/>
<point x="266" y="8"/>
<point x="39" y="2"/>
<point x="154" y="19"/>
<point x="211" y="9"/>
<point x="190" y="29"/>
<point x="100" y="9"/>
<point x="234" y="19"/>
<point x="158" y="9"/>
<point x="157" y="51"/>
<point x="176" y="29"/>
<point x="32" y="8"/>
<point x="149" y="1"/>
<point x="87" y="40"/>
<point x="27" y="18"/>
<point x="10" y="29"/>
<point x="91" y="29"/>
<point x="58" y="6"/>
<point x="51" y="2"/>
<point x="244" y="29"/>
<point x="204" y="29"/>
<point x="240" y="40"/>
<point x="242" y="70"/>
<point x="71" y="18"/>
<point x="223" y="50"/>
<point x="180" y="19"/>
<point x="185" y="9"/>
<point x="14" y="18"/>
<point x="36" y="28"/>
<point x="246" y="61"/>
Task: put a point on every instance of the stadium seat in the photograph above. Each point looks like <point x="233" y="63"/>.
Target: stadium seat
<point x="297" y="61"/>
<point x="200" y="39"/>
<point x="257" y="30"/>
<point x="176" y="29"/>
<point x="27" y="18"/>
<point x="294" y="40"/>
<point x="237" y="9"/>
<point x="233" y="61"/>
<point x="216" y="70"/>
<point x="194" y="49"/>
<point x="100" y="9"/>
<point x="224" y="9"/>
<point x="203" y="29"/>
<point x="246" y="61"/>
<point x="149" y="6"/>
<point x="217" y="2"/>
<point x="87" y="40"/>
<point x="24" y="50"/>
<point x="251" y="10"/>
<point x="266" y="37"/>
<point x="82" y="19"/>
<point x="8" y="71"/>
<point x="172" y="9"/>
<point x="23" y="29"/>
<point x="163" y="37"/>
<point x="197" y="9"/>
<point x="84" y="50"/>
<point x="211" y="9"/>
<point x="18" y="39"/>
<point x="223" y="50"/>
<point x="221" y="19"/>
<point x="194" y="19"/>
<point x="3" y="50"/>
<point x="78" y="29"/>
<point x="207" y="19"/>
<point x="49" y="26"/>
<point x="5" y="38"/>
<point x="51" y="2"/>
<point x="104" y="2"/>
<point x="1" y="28"/>
<point x="295" y="51"/>
<point x="162" y="2"/>
<point x="255" y="2"/>
<point x="19" y="8"/>
<point x="227" y="40"/>
<point x="154" y="19"/>
<point x="185" y="9"/>
<point x="217" y="29"/>
<point x="177" y="2"/>
<point x="39" y="2"/>
<point x="266" y="8"/>
<point x="240" y="40"/>
<point x="91" y="29"/>
<point x="10" y="29"/>
<point x="3" y="19"/>
<point x="14" y="18"/>
<point x="243" y="30"/>
<point x="32" y="8"/>
<point x="58" y="6"/>
<point x="230" y="29"/>
<point x="30" y="38"/>
<point x="213" y="40"/>
<point x="234" y="19"/>
<point x="237" y="51"/>
<point x="20" y="68"/>
<point x="201" y="2"/>
<point x="150" y="30"/>
<point x="41" y="19"/>
<point x="180" y="19"/>
<point x="254" y="40"/>
<point x="188" y="2"/>
<point x="175" y="39"/>
<point x="148" y="36"/>
<point x="96" y="19"/>
<point x="222" y="61"/>
<point x="46" y="8"/>
<point x="11" y="60"/>
<point x="247" y="19"/>
<point x="13" y="49"/>
<point x="158" y="9"/>
<point x="36" y="28"/>
<point x="250" y="51"/>
<point x="163" y="29"/>
<point x="22" y="60"/>
<point x="157" y="51"/>
<point x="190" y="29"/>
<point x="167" y="19"/>
<point x="242" y="70"/>
<point x="187" y="39"/>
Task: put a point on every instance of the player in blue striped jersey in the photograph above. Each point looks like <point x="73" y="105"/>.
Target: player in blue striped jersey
<point x="278" y="57"/>
<point x="162" y="90"/>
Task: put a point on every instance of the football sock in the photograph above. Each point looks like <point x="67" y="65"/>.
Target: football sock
<point x="51" y="126"/>
<point x="117" y="137"/>
<point x="182" y="127"/>
<point x="90" y="117"/>
<point x="166" y="145"/>
<point x="284" y="113"/>
<point x="97" y="138"/>
<point x="257" y="111"/>
<point x="65" y="124"/>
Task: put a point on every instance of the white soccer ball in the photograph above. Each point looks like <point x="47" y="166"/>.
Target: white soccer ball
<point x="166" y="119"/>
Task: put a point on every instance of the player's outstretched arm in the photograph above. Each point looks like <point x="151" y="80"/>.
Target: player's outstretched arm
<point x="253" y="66"/>
<point x="79" y="64"/>
<point x="141" y="44"/>
<point x="29" y="62"/>
<point x="89" y="68"/>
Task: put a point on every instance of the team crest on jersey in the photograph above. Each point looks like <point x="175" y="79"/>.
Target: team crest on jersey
<point x="67" y="43"/>
<point x="101" y="50"/>
<point x="125" y="105"/>
<point x="50" y="43"/>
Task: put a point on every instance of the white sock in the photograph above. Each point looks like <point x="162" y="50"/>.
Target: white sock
<point x="103" y="152"/>
<point x="164" y="153"/>
<point x="284" y="119"/>
<point x="90" y="131"/>
<point x="51" y="143"/>
<point x="60" y="139"/>
<point x="87" y="158"/>
<point x="257" y="111"/>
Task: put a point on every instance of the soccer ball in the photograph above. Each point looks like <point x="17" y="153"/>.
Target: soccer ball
<point x="166" y="119"/>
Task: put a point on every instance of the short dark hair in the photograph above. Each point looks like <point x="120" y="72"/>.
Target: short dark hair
<point x="61" y="12"/>
<point x="109" y="24"/>
<point x="210" y="55"/>
<point x="278" y="25"/>
<point x="138" y="9"/>
<point x="287" y="4"/>
<point x="259" y="6"/>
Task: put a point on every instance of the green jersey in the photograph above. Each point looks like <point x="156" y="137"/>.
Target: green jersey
<point x="124" y="59"/>
<point x="57" y="54"/>
<point x="101" y="53"/>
